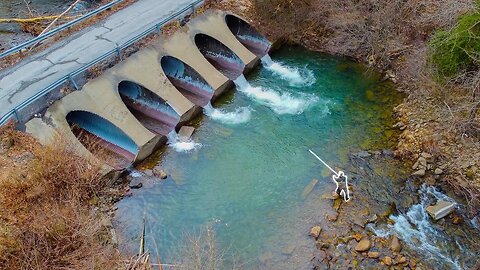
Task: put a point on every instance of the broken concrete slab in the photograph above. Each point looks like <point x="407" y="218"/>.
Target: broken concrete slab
<point x="440" y="209"/>
<point x="185" y="133"/>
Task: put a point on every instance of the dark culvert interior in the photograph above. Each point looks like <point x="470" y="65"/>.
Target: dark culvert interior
<point x="152" y="111"/>
<point x="103" y="139"/>
<point x="220" y="56"/>
<point x="187" y="81"/>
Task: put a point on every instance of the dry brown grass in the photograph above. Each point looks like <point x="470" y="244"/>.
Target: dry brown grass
<point x="15" y="58"/>
<point x="45" y="211"/>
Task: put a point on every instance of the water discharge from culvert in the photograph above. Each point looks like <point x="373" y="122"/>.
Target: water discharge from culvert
<point x="280" y="103"/>
<point x="416" y="229"/>
<point x="293" y="75"/>
<point x="238" y="116"/>
<point x="180" y="145"/>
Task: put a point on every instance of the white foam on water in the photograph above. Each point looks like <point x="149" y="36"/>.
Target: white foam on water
<point x="416" y="230"/>
<point x="136" y="174"/>
<point x="293" y="75"/>
<point x="239" y="116"/>
<point x="280" y="103"/>
<point x="181" y="146"/>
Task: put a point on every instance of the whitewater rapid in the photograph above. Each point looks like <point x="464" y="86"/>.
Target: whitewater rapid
<point x="181" y="146"/>
<point x="293" y="75"/>
<point x="416" y="229"/>
<point x="280" y="103"/>
<point x="239" y="116"/>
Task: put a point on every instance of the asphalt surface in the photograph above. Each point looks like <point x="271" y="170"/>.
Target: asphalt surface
<point x="37" y="72"/>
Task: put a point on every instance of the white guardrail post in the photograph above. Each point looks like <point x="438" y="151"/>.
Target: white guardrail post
<point x="117" y="50"/>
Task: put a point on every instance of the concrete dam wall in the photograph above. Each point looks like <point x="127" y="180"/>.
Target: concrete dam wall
<point x="126" y="113"/>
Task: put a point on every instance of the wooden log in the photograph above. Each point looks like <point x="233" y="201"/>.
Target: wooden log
<point x="34" y="20"/>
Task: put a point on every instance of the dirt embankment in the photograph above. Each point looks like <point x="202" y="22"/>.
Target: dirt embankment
<point x="54" y="208"/>
<point x="392" y="36"/>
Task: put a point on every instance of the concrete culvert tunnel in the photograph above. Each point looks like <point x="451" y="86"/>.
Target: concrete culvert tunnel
<point x="103" y="139"/>
<point x="152" y="111"/>
<point x="187" y="81"/>
<point x="247" y="35"/>
<point x="220" y="56"/>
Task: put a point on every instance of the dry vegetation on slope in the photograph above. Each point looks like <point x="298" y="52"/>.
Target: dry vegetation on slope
<point x="46" y="201"/>
<point x="400" y="37"/>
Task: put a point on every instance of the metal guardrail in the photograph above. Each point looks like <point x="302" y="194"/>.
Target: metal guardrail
<point x="58" y="29"/>
<point x="117" y="50"/>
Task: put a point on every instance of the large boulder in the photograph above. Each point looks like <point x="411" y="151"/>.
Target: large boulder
<point x="440" y="209"/>
<point x="363" y="245"/>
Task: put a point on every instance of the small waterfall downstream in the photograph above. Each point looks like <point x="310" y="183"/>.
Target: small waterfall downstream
<point x="239" y="116"/>
<point x="293" y="75"/>
<point x="280" y="103"/>
<point x="180" y="145"/>
<point x="416" y="228"/>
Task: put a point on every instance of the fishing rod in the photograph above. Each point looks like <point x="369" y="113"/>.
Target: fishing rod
<point x="344" y="191"/>
<point x="324" y="163"/>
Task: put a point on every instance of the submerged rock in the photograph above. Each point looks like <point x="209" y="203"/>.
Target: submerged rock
<point x="308" y="189"/>
<point x="373" y="254"/>
<point x="315" y="232"/>
<point x="362" y="154"/>
<point x="158" y="172"/>
<point x="426" y="155"/>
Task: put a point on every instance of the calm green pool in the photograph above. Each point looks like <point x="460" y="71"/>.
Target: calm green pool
<point x="245" y="181"/>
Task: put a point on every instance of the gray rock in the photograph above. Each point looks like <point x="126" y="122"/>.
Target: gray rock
<point x="185" y="133"/>
<point x="387" y="152"/>
<point x="420" y="172"/>
<point x="426" y="155"/>
<point x="399" y="125"/>
<point x="136" y="186"/>
<point x="148" y="172"/>
<point x="422" y="161"/>
<point x="362" y="154"/>
<point x="440" y="209"/>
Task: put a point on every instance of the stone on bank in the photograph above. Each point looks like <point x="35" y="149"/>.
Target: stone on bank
<point x="440" y="209"/>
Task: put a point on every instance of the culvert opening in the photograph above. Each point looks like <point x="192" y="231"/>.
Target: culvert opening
<point x="152" y="111"/>
<point x="220" y="56"/>
<point x="187" y="81"/>
<point x="247" y="35"/>
<point x="103" y="139"/>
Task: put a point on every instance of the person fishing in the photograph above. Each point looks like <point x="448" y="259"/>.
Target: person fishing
<point x="339" y="178"/>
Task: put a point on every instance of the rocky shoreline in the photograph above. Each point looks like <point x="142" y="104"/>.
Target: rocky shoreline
<point x="362" y="233"/>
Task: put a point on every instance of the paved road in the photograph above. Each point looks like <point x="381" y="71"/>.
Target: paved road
<point x="37" y="72"/>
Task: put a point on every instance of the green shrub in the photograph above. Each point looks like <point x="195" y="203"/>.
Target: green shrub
<point x="458" y="49"/>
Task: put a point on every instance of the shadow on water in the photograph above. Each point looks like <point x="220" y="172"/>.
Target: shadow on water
<point x="248" y="181"/>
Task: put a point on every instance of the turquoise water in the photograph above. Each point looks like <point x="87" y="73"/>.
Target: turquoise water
<point x="246" y="180"/>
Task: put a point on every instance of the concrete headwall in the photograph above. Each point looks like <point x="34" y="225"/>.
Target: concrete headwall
<point x="101" y="96"/>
